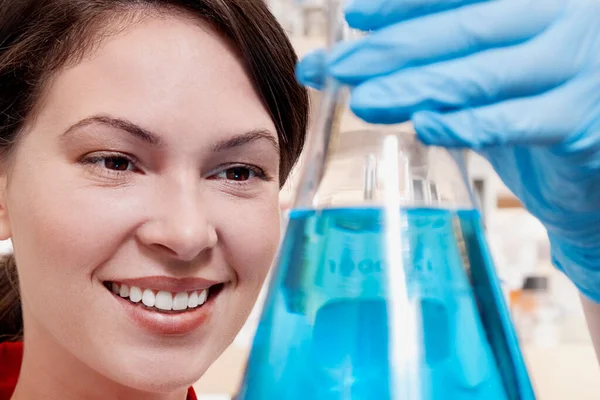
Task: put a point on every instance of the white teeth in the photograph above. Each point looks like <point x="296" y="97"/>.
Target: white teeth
<point x="180" y="301"/>
<point x="164" y="301"/>
<point x="193" y="300"/>
<point x="148" y="298"/>
<point x="124" y="292"/>
<point x="202" y="297"/>
<point x="135" y="294"/>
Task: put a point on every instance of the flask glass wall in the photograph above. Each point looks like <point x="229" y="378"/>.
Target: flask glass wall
<point x="384" y="287"/>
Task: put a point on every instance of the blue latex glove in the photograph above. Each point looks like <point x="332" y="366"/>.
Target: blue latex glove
<point x="516" y="80"/>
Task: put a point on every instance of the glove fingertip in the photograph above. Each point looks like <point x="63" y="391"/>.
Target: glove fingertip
<point x="376" y="115"/>
<point x="371" y="107"/>
<point x="314" y="82"/>
<point x="433" y="129"/>
<point x="367" y="114"/>
<point x="311" y="70"/>
<point x="356" y="16"/>
<point x="357" y="20"/>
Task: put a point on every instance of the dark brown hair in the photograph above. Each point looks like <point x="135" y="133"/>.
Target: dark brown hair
<point x="39" y="37"/>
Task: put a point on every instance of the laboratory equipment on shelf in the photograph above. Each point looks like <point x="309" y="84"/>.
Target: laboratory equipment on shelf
<point x="536" y="313"/>
<point x="383" y="286"/>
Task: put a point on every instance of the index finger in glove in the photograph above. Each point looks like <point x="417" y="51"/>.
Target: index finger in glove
<point x="374" y="14"/>
<point x="441" y="37"/>
<point x="311" y="70"/>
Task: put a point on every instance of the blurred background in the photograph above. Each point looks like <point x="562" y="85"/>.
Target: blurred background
<point x="544" y="304"/>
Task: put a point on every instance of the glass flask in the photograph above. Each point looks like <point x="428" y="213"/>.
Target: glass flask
<point x="383" y="287"/>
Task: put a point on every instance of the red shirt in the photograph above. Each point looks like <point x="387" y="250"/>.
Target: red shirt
<point x="11" y="355"/>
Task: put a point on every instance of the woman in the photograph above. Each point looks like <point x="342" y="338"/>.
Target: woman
<point x="144" y="144"/>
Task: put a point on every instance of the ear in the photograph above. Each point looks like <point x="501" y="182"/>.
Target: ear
<point x="5" y="231"/>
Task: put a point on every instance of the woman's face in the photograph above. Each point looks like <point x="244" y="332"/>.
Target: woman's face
<point x="154" y="164"/>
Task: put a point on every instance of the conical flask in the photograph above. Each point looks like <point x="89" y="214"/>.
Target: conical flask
<point x="383" y="287"/>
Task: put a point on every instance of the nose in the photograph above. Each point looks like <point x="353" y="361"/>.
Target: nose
<point x="179" y="224"/>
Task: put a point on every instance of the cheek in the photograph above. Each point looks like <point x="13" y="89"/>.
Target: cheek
<point x="250" y="237"/>
<point x="61" y="231"/>
<point x="64" y="222"/>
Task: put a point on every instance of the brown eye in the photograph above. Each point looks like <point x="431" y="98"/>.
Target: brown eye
<point x="117" y="163"/>
<point x="241" y="174"/>
<point x="238" y="174"/>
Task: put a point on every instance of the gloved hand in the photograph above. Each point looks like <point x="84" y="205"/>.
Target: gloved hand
<point x="516" y="80"/>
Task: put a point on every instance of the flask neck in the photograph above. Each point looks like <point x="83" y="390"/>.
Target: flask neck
<point x="375" y="166"/>
<point x="325" y="136"/>
<point x="337" y="28"/>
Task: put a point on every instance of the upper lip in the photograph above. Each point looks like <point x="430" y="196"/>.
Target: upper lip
<point x="169" y="284"/>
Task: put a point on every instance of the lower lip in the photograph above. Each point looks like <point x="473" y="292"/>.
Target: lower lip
<point x="167" y="324"/>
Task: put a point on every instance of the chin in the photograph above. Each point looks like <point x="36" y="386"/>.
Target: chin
<point x="161" y="380"/>
<point x="163" y="372"/>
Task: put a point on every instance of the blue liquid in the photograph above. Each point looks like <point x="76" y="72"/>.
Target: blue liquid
<point x="324" y="333"/>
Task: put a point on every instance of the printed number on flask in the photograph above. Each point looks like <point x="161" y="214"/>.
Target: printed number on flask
<point x="346" y="266"/>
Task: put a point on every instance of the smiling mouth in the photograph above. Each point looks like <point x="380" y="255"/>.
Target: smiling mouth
<point x="164" y="302"/>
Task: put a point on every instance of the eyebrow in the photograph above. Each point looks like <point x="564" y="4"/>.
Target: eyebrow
<point x="117" y="123"/>
<point x="246" y="138"/>
<point x="155" y="140"/>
